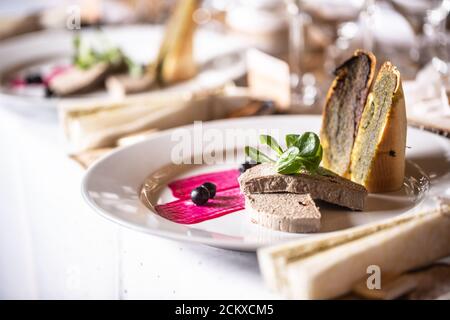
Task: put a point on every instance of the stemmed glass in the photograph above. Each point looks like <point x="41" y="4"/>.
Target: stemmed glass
<point x="321" y="34"/>
<point x="428" y="20"/>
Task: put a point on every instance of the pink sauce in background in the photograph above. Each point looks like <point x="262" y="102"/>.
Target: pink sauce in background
<point x="228" y="198"/>
<point x="54" y="72"/>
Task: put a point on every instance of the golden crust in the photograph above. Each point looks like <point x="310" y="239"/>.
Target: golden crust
<point x="387" y="169"/>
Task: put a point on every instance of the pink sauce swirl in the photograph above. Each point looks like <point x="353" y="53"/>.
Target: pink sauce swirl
<point x="228" y="198"/>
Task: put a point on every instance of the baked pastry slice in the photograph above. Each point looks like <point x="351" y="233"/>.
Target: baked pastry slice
<point x="343" y="108"/>
<point x="378" y="156"/>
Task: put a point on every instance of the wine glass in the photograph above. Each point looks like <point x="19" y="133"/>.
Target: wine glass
<point x="428" y="19"/>
<point x="322" y="33"/>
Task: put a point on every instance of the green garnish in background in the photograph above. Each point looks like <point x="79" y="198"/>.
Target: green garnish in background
<point x="134" y="69"/>
<point x="304" y="152"/>
<point x="87" y="56"/>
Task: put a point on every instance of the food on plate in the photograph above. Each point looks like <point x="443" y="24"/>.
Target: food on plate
<point x="211" y="188"/>
<point x="364" y="136"/>
<point x="280" y="193"/>
<point x="364" y="132"/>
<point x="37" y="77"/>
<point x="34" y="78"/>
<point x="378" y="156"/>
<point x="94" y="60"/>
<point x="123" y="84"/>
<point x="185" y="212"/>
<point x="321" y="185"/>
<point x="288" y="212"/>
<point x="223" y="180"/>
<point x="344" y="105"/>
<point x="78" y="80"/>
<point x="98" y="63"/>
<point x="303" y="152"/>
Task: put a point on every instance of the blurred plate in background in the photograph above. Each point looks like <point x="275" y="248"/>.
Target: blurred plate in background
<point x="220" y="59"/>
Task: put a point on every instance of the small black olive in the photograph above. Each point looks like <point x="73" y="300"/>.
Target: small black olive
<point x="211" y="188"/>
<point x="200" y="195"/>
<point x="33" y="78"/>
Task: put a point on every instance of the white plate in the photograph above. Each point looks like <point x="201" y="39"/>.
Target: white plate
<point x="221" y="58"/>
<point x="112" y="185"/>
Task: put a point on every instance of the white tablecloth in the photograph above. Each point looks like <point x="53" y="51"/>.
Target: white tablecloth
<point x="52" y="245"/>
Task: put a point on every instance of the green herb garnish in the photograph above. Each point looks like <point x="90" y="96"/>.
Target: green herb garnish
<point x="134" y="69"/>
<point x="257" y="155"/>
<point x="271" y="142"/>
<point x="303" y="152"/>
<point x="89" y="53"/>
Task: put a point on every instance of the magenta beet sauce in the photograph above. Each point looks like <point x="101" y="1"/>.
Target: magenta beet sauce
<point x="228" y="198"/>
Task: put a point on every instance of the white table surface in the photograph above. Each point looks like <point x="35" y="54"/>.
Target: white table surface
<point x="52" y="245"/>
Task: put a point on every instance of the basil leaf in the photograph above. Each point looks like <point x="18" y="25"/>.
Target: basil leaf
<point x="318" y="157"/>
<point x="289" y="163"/>
<point x="291" y="139"/>
<point x="134" y="69"/>
<point x="87" y="55"/>
<point x="271" y="142"/>
<point x="308" y="144"/>
<point x="312" y="164"/>
<point x="256" y="155"/>
<point x="304" y="153"/>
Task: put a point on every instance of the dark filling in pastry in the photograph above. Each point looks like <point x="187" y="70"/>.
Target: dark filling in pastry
<point x="345" y="107"/>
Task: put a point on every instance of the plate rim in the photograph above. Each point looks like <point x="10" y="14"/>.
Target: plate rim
<point x="225" y="244"/>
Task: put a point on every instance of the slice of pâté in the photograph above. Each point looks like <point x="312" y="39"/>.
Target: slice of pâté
<point x="323" y="185"/>
<point x="287" y="212"/>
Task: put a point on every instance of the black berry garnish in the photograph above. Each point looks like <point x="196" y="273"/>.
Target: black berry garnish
<point x="33" y="78"/>
<point x="49" y="92"/>
<point x="200" y="195"/>
<point x="211" y="188"/>
<point x="246" y="165"/>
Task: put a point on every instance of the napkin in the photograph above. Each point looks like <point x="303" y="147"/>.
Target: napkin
<point x="331" y="265"/>
<point x="107" y="123"/>
<point x="427" y="101"/>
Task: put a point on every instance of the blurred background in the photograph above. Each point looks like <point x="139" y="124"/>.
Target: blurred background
<point x="312" y="36"/>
